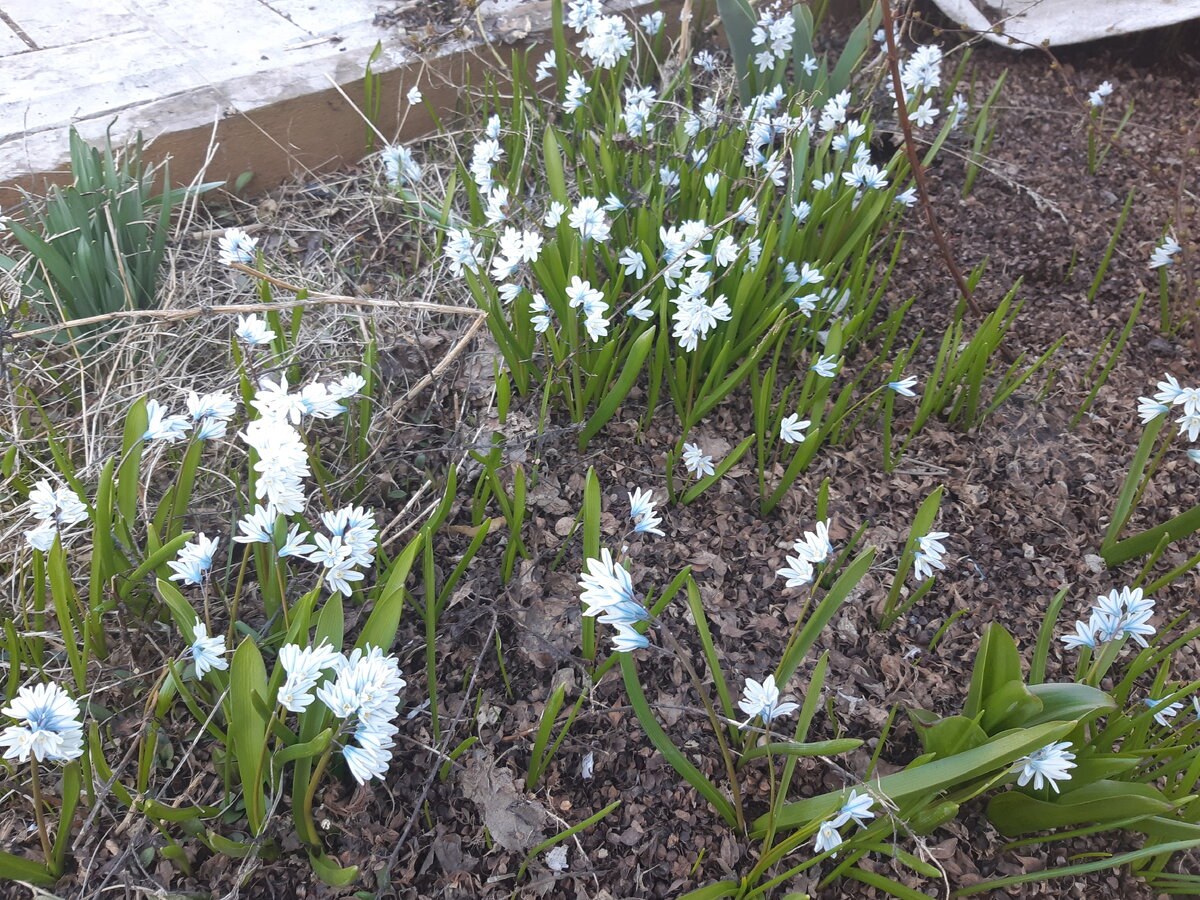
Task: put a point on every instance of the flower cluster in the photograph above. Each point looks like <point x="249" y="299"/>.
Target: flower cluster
<point x="608" y="595"/>
<point x="400" y="167"/>
<point x="773" y="34"/>
<point x="56" y="509"/>
<point x="810" y="551"/>
<point x="207" y="418"/>
<point x="194" y="560"/>
<point x="856" y="808"/>
<point x="1118" y="614"/>
<point x="1171" y="394"/>
<point x="364" y="693"/>
<point x="49" y="726"/>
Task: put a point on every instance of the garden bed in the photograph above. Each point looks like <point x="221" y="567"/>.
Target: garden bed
<point x="1027" y="497"/>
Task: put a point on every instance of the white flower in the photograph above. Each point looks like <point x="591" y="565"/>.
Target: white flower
<point x="1049" y="765"/>
<point x="626" y="639"/>
<point x="546" y="67"/>
<point x="605" y="585"/>
<point x="207" y="652"/>
<point x="1164" y="253"/>
<point x="194" y="560"/>
<point x="281" y="464"/>
<point x="1096" y="97"/>
<point x="577" y="89"/>
<point x="399" y="165"/>
<point x="642" y="511"/>
<point x="608" y="41"/>
<point x="304" y="667"/>
<point x="928" y="555"/>
<point x="762" y="701"/>
<point x="904" y="387"/>
<point x="554" y="214"/>
<point x="791" y="429"/>
<point x="641" y="310"/>
<point x="581" y="295"/>
<point x="809" y="64"/>
<point x="856" y="808"/>
<point x="59" y="506"/>
<point x="161" y="426"/>
<point x="696" y="461"/>
<point x="826" y="366"/>
<point x="236" y="246"/>
<point x="42" y="537"/>
<point x="414" y="95"/>
<point x="907" y="197"/>
<point x="589" y="220"/>
<point x="652" y="23"/>
<point x="815" y="545"/>
<point x="633" y="262"/>
<point x="581" y="13"/>
<point x="925" y="114"/>
<point x="1163" y="711"/>
<point x="828" y="838"/>
<point x="799" y="571"/>
<point x="49" y="726"/>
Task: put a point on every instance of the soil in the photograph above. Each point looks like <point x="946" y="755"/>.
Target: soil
<point x="1027" y="499"/>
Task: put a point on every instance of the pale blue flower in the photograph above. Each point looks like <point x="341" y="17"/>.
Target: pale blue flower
<point x="49" y="726"/>
<point x="762" y="701"/>
<point x="1049" y="765"/>
<point x="207" y="652"/>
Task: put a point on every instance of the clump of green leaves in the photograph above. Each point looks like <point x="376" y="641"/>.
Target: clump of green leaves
<point x="98" y="244"/>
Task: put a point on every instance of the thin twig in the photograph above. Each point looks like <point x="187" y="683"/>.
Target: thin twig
<point x="914" y="161"/>
<point x="314" y="298"/>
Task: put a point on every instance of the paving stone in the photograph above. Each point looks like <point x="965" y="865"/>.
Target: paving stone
<point x="62" y="22"/>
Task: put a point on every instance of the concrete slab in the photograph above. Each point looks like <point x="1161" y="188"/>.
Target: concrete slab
<point x="252" y="78"/>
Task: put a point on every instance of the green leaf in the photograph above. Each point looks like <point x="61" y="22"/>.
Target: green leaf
<point x="616" y="393"/>
<point x="951" y="735"/>
<point x="248" y="727"/>
<point x="739" y="21"/>
<point x="330" y="872"/>
<point x="17" y="868"/>
<point x="812" y="748"/>
<point x="181" y="611"/>
<point x="1009" y="707"/>
<point x="384" y="620"/>
<point x="719" y="891"/>
<point x="938" y="775"/>
<point x="1015" y="812"/>
<point x="822" y="615"/>
<point x="304" y="749"/>
<point x="662" y="741"/>
<point x="1066" y="700"/>
<point x="1107" y="862"/>
<point x="997" y="662"/>
<point x="131" y="461"/>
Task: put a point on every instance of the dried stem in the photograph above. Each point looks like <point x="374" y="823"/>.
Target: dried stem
<point x="914" y="161"/>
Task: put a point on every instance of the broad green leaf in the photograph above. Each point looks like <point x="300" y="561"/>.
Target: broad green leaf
<point x="248" y="727"/>
<point x="938" y="775"/>
<point x="719" y="891"/>
<point x="384" y="620"/>
<point x="17" y="868"/>
<point x="997" y="662"/>
<point x="1067" y="700"/>
<point x="1009" y="707"/>
<point x="953" y="734"/>
<point x="1015" y="812"/>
